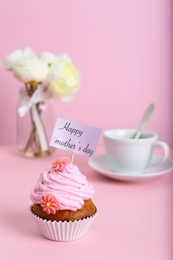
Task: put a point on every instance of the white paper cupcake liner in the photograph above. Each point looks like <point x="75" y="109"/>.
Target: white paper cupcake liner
<point x="63" y="230"/>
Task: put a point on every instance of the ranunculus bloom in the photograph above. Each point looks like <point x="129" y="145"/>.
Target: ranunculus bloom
<point x="49" y="204"/>
<point x="17" y="55"/>
<point x="30" y="69"/>
<point x="60" y="164"/>
<point x="66" y="79"/>
<point x="59" y="76"/>
<point x="48" y="57"/>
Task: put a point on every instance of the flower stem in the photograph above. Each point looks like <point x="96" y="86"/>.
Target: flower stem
<point x="32" y="134"/>
<point x="34" y="144"/>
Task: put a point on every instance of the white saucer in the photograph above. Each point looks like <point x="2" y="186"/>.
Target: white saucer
<point x="101" y="165"/>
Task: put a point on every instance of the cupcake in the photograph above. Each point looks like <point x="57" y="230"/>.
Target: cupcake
<point x="62" y="202"/>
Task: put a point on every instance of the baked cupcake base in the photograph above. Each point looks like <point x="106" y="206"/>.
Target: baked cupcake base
<point x="63" y="230"/>
<point x="88" y="209"/>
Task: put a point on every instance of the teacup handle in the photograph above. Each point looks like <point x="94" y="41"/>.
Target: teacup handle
<point x="164" y="156"/>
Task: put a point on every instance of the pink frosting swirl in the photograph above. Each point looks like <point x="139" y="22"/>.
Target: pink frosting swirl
<point x="69" y="187"/>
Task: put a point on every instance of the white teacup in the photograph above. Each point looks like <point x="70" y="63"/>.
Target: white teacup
<point x="129" y="155"/>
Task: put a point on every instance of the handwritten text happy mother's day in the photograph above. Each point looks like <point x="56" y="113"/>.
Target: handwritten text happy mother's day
<point x="75" y="137"/>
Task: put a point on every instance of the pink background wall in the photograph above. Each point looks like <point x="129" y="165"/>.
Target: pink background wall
<point x="122" y="48"/>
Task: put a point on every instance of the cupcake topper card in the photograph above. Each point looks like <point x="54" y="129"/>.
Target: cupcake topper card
<point x="75" y="137"/>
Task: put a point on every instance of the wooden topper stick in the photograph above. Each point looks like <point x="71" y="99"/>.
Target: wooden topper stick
<point x="72" y="158"/>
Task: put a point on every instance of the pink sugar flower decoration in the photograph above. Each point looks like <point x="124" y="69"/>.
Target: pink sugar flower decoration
<point x="49" y="204"/>
<point x="60" y="164"/>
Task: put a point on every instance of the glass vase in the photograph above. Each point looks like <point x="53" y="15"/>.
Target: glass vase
<point x="35" y="126"/>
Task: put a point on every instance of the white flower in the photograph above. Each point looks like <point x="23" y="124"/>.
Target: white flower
<point x="66" y="79"/>
<point x="48" y="57"/>
<point x="30" y="69"/>
<point x="15" y="56"/>
<point x="64" y="57"/>
<point x="57" y="74"/>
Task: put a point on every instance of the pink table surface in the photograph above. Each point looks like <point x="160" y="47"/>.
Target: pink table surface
<point x="135" y="220"/>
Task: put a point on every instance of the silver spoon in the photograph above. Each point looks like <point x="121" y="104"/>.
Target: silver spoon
<point x="144" y="120"/>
